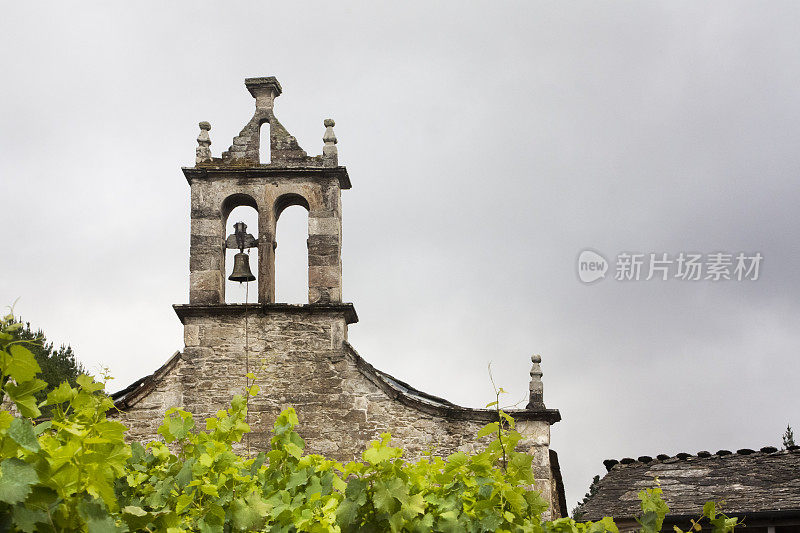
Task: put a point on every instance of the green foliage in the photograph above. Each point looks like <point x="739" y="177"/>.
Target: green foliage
<point x="59" y="474"/>
<point x="719" y="522"/>
<point x="76" y="473"/>
<point x="654" y="509"/>
<point x="788" y="437"/>
<point x="57" y="365"/>
<point x="577" y="512"/>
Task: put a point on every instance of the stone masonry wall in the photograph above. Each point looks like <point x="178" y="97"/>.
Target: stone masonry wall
<point x="302" y="360"/>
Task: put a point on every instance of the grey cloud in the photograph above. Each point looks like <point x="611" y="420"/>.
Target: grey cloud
<point x="490" y="143"/>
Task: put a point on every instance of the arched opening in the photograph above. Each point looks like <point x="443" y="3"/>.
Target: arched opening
<point x="264" y="145"/>
<point x="241" y="292"/>
<point x="291" y="255"/>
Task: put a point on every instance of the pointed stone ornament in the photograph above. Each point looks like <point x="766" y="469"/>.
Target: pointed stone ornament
<point x="203" y="153"/>
<point x="284" y="150"/>
<point x="330" y="154"/>
<point x="536" y="398"/>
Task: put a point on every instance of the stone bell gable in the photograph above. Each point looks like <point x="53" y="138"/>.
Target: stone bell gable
<point x="300" y="353"/>
<point x="290" y="177"/>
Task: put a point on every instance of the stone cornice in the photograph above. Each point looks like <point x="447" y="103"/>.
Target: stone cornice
<point x="266" y="171"/>
<point x="199" y="310"/>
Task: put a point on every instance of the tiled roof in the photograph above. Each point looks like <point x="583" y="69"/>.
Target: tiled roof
<point x="749" y="481"/>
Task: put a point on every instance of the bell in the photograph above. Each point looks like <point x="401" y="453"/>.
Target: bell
<point x="241" y="268"/>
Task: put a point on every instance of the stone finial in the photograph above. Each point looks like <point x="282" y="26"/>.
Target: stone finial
<point x="264" y="90"/>
<point x="203" y="152"/>
<point x="330" y="154"/>
<point x="536" y="398"/>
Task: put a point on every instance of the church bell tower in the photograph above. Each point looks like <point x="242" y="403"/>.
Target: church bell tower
<point x="229" y="339"/>
<point x="269" y="183"/>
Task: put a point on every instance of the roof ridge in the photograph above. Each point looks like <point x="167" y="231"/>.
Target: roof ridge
<point x="703" y="454"/>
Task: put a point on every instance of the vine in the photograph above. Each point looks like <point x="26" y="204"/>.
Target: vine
<point x="75" y="472"/>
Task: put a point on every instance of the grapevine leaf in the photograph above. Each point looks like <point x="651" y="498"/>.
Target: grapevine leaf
<point x="22" y="365"/>
<point x="97" y="518"/>
<point x="21" y="431"/>
<point x="23" y="396"/>
<point x="649" y="522"/>
<point x="297" y="478"/>
<point x="5" y="420"/>
<point x="211" y="490"/>
<point x="488" y="429"/>
<point x="357" y="491"/>
<point x="15" y="480"/>
<point x="184" y="476"/>
<point x="516" y="500"/>
<point x="383" y="499"/>
<point x="26" y="518"/>
<point x="491" y="521"/>
<point x="136" y="518"/>
<point x="415" y="503"/>
<point x="88" y="384"/>
<point x="62" y="393"/>
<point x="294" y="450"/>
<point x="347" y="513"/>
<point x="184" y="501"/>
<point x="248" y="515"/>
<point x="42" y="427"/>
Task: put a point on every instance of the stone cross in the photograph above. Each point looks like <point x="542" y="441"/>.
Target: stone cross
<point x="204" y="144"/>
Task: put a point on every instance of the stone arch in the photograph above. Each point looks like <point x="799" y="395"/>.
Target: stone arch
<point x="287" y="200"/>
<point x="236" y="200"/>
<point x="230" y="203"/>
<point x="264" y="141"/>
<point x="291" y="260"/>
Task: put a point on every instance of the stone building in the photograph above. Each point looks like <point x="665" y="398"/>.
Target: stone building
<point x="300" y="352"/>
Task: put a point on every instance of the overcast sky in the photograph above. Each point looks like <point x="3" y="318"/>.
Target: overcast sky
<point x="488" y="145"/>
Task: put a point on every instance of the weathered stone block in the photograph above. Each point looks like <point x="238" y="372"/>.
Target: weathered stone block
<point x="323" y="260"/>
<point x="205" y="261"/>
<point x="207" y="227"/>
<point x="322" y="245"/>
<point x="205" y="280"/>
<point x="200" y="210"/>
<point x="323" y="226"/>
<point x="324" y="276"/>
<point x="315" y="295"/>
<point x="534" y="433"/>
<point x="191" y="335"/>
<point x="338" y="335"/>
<point x="334" y="294"/>
<point x="204" y="297"/>
<point x="207" y="242"/>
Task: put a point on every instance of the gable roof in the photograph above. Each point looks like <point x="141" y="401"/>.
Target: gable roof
<point x="129" y="396"/>
<point x="749" y="482"/>
<point x="402" y="392"/>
